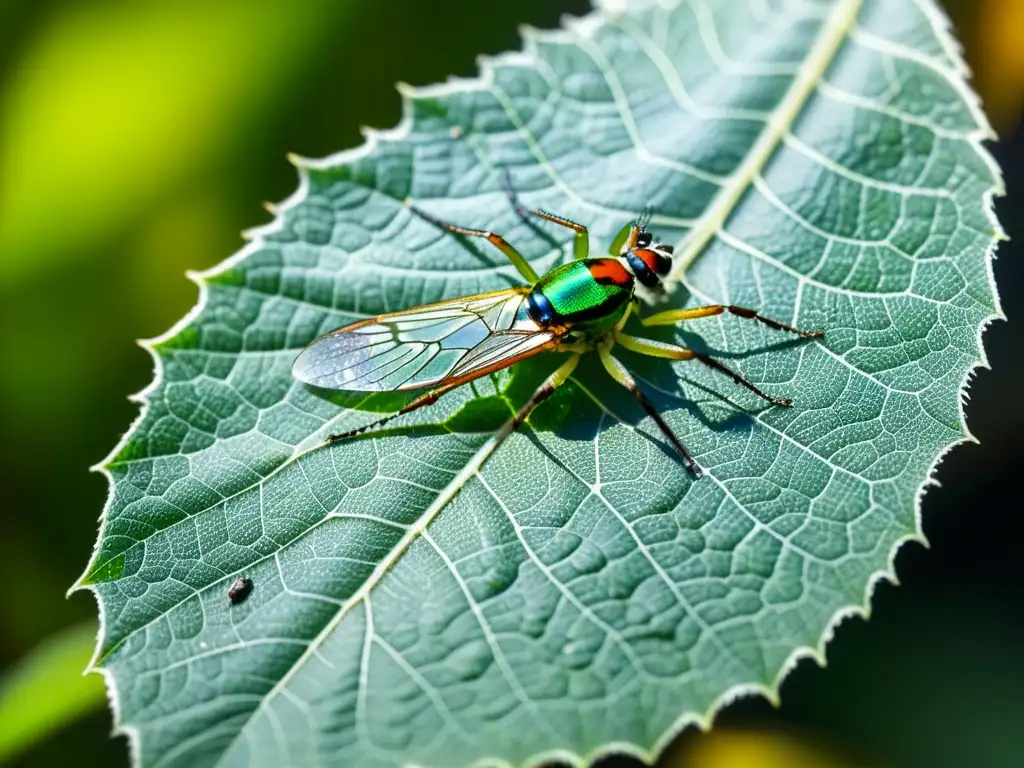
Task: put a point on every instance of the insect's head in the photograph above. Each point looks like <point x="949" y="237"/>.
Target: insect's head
<point x="648" y="261"/>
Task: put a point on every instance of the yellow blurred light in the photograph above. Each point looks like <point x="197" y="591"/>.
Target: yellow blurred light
<point x="732" y="748"/>
<point x="113" y="105"/>
<point x="999" y="60"/>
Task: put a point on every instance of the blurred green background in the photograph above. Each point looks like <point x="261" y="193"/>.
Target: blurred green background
<point x="138" y="138"/>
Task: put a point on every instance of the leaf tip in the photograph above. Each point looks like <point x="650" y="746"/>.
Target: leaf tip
<point x="269" y="207"/>
<point x="297" y="160"/>
<point x="234" y="277"/>
<point x="77" y="586"/>
<point x="186" y="338"/>
<point x="484" y="62"/>
<point x="111" y="570"/>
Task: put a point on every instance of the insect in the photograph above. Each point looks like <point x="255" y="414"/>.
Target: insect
<point x="239" y="590"/>
<point x="577" y="307"/>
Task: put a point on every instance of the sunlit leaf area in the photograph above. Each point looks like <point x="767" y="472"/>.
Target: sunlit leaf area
<point x="557" y="615"/>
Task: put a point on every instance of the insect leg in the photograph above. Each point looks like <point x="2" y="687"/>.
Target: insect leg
<point x="542" y="393"/>
<point x="517" y="259"/>
<point x="581" y="242"/>
<point x="545" y="390"/>
<point x="621" y="239"/>
<point x="626" y="238"/>
<point x="620" y="374"/>
<point x="427" y="398"/>
<point x="673" y="316"/>
<point x="673" y="352"/>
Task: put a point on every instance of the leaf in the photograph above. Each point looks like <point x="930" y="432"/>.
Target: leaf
<point x="46" y="690"/>
<point x="420" y="598"/>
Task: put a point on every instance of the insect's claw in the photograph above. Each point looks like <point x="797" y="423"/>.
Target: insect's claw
<point x="785" y="401"/>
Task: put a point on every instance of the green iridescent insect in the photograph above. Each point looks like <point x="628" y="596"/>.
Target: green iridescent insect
<point x="576" y="307"/>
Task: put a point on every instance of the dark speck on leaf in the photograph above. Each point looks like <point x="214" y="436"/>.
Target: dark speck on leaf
<point x="239" y="590"/>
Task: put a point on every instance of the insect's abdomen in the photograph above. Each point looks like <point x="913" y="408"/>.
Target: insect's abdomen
<point x="590" y="290"/>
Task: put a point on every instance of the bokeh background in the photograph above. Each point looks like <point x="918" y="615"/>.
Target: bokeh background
<point x="137" y="139"/>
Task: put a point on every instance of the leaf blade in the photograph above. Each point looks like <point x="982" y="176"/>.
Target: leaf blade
<point x="630" y="586"/>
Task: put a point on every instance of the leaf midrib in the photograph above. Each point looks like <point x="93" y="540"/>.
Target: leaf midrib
<point x="834" y="32"/>
<point x="412" y="533"/>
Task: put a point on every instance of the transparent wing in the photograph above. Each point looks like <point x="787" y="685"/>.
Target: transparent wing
<point x="448" y="341"/>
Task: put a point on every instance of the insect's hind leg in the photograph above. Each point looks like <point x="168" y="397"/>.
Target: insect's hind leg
<point x="518" y="260"/>
<point x="581" y="240"/>
<point x="542" y="393"/>
<point x="427" y="398"/>
<point x="673" y="352"/>
<point x="620" y="374"/>
<point x="673" y="316"/>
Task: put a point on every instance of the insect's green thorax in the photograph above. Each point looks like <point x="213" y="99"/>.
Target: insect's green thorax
<point x="581" y="293"/>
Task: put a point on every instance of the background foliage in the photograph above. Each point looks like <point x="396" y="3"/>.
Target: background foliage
<point x="136" y="140"/>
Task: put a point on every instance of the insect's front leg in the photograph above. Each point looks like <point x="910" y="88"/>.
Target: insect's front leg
<point x="618" y="246"/>
<point x="581" y="241"/>
<point x="626" y="239"/>
<point x="503" y="245"/>
<point x="673" y="316"/>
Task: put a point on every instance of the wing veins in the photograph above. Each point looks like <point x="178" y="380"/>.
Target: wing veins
<point x="452" y="341"/>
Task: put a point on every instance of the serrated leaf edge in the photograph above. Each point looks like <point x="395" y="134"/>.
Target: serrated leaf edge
<point x="942" y="28"/>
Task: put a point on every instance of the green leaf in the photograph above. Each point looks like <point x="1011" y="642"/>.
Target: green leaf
<point x="46" y="690"/>
<point x="422" y="598"/>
